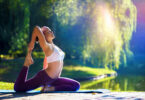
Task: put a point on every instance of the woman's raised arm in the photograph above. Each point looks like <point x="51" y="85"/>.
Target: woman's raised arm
<point x="42" y="41"/>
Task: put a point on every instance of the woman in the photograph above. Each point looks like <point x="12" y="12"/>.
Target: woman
<point x="49" y="77"/>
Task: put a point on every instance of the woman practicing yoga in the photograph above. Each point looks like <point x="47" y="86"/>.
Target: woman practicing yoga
<point x="49" y="77"/>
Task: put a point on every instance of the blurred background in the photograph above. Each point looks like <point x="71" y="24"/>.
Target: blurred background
<point x="103" y="40"/>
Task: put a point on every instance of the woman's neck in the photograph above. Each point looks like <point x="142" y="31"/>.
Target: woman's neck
<point x="50" y="42"/>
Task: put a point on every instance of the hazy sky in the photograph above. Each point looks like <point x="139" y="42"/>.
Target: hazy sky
<point x="138" y="39"/>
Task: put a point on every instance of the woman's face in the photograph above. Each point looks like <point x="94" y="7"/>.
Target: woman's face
<point x="49" y="35"/>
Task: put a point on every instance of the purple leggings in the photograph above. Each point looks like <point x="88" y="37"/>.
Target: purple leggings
<point x="41" y="79"/>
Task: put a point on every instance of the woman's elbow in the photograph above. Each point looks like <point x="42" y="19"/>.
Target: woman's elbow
<point x="37" y="28"/>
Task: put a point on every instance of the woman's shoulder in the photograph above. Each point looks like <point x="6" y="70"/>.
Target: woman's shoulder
<point x="50" y="46"/>
<point x="56" y="47"/>
<point x="49" y="49"/>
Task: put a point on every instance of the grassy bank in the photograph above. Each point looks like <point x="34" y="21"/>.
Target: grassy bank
<point x="84" y="71"/>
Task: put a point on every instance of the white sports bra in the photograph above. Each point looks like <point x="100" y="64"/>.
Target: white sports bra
<point x="57" y="55"/>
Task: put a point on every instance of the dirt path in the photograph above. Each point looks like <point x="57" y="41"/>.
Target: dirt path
<point x="75" y="96"/>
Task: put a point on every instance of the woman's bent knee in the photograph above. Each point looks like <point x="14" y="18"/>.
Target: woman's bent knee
<point x="76" y="86"/>
<point x="18" y="88"/>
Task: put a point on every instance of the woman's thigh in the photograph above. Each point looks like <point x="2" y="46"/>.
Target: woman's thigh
<point x="64" y="81"/>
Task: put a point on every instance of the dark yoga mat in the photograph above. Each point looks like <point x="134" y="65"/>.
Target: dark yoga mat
<point x="80" y="91"/>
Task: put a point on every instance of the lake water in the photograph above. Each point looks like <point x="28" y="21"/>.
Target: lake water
<point x="118" y="83"/>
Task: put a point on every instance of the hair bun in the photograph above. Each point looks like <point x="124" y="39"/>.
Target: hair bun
<point x="44" y="28"/>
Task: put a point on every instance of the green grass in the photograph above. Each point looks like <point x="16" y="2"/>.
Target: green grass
<point x="6" y="85"/>
<point x="9" y="86"/>
<point x="84" y="71"/>
<point x="9" y="70"/>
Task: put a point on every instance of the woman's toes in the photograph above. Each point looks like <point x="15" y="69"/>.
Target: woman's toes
<point x="47" y="89"/>
<point x="42" y="90"/>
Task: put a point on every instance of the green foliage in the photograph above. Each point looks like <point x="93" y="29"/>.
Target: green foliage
<point x="18" y="25"/>
<point x="66" y="11"/>
<point x="18" y="44"/>
<point x="111" y="31"/>
<point x="20" y="38"/>
<point x="38" y="54"/>
<point x="1" y="1"/>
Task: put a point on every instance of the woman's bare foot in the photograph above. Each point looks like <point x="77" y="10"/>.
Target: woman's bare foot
<point x="28" y="60"/>
<point x="47" y="89"/>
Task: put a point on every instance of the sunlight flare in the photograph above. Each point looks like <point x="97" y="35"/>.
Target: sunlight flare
<point x="110" y="33"/>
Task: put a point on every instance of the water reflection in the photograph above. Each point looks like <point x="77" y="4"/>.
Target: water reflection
<point x="119" y="83"/>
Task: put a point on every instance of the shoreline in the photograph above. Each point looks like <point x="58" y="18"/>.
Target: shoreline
<point x="96" y="77"/>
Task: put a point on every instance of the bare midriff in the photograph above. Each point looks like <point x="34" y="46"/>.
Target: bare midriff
<point x="54" y="69"/>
